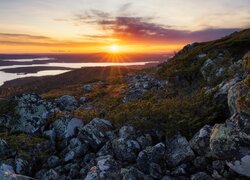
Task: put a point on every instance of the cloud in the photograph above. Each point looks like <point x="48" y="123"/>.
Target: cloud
<point x="144" y="30"/>
<point x="33" y="40"/>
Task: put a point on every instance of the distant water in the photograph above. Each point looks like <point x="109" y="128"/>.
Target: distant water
<point x="10" y="76"/>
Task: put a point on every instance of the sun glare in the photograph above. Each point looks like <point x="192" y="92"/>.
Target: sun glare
<point x="114" y="48"/>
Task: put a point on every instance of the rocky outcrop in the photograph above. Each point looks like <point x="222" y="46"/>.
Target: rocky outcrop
<point x="67" y="103"/>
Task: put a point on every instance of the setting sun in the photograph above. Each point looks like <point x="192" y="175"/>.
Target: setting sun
<point x="114" y="48"/>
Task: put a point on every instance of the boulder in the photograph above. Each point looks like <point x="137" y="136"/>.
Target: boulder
<point x="106" y="168"/>
<point x="126" y="149"/>
<point x="22" y="166"/>
<point x="127" y="132"/>
<point x="133" y="174"/>
<point x="241" y="166"/>
<point x="153" y="154"/>
<point x="67" y="103"/>
<point x="53" y="161"/>
<point x="178" y="150"/>
<point x="75" y="149"/>
<point x="200" y="141"/>
<point x="50" y="175"/>
<point x="31" y="113"/>
<point x="96" y="133"/>
<point x="224" y="141"/>
<point x="7" y="172"/>
<point x="66" y="127"/>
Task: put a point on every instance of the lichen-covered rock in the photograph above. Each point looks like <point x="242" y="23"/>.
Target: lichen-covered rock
<point x="66" y="127"/>
<point x="200" y="141"/>
<point x="241" y="166"/>
<point x="224" y="141"/>
<point x="178" y="150"/>
<point x="106" y="168"/>
<point x="126" y="149"/>
<point x="31" y="113"/>
<point x="7" y="172"/>
<point x="67" y="103"/>
<point x="96" y="133"/>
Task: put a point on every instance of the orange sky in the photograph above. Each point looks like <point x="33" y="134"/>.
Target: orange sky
<point x="90" y="26"/>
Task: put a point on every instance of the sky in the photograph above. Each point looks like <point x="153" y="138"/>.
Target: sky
<point x="132" y="26"/>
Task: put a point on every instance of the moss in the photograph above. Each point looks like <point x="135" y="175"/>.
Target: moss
<point x="22" y="143"/>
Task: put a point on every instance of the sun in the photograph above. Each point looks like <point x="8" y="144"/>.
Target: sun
<point x="114" y="48"/>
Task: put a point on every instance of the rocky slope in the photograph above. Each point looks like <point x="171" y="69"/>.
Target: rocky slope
<point x="189" y="118"/>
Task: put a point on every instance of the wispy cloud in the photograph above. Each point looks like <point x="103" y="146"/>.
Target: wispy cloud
<point x="143" y="29"/>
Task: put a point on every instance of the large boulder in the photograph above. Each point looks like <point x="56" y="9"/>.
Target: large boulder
<point x="126" y="149"/>
<point x="224" y="141"/>
<point x="67" y="103"/>
<point x="96" y="133"/>
<point x="31" y="113"/>
<point x="178" y="150"/>
<point x="200" y="141"/>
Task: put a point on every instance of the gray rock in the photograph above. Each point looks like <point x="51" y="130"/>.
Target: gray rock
<point x="106" y="150"/>
<point x="178" y="150"/>
<point x="96" y="133"/>
<point x="66" y="127"/>
<point x="200" y="141"/>
<point x="106" y="168"/>
<point x="134" y="174"/>
<point x="6" y="172"/>
<point x="224" y="142"/>
<point x="125" y="149"/>
<point x="179" y="171"/>
<point x="200" y="162"/>
<point x="144" y="140"/>
<point x="155" y="170"/>
<point x="75" y="149"/>
<point x="127" y="132"/>
<point x="50" y="175"/>
<point x="21" y="166"/>
<point x="201" y="176"/>
<point x="153" y="154"/>
<point x="83" y="100"/>
<point x="31" y="113"/>
<point x="67" y="103"/>
<point x="241" y="166"/>
<point x="53" y="161"/>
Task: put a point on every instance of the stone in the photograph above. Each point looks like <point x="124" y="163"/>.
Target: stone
<point x="67" y="103"/>
<point x="96" y="133"/>
<point x="106" y="168"/>
<point x="155" y="170"/>
<point x="200" y="141"/>
<point x="125" y="149"/>
<point x="241" y="166"/>
<point x="83" y="100"/>
<point x="6" y="172"/>
<point x="153" y="154"/>
<point x="53" y="161"/>
<point x="134" y="174"/>
<point x="127" y="132"/>
<point x="21" y="166"/>
<point x="31" y="113"/>
<point x="224" y="142"/>
<point x="200" y="163"/>
<point x="201" y="176"/>
<point x="178" y="150"/>
<point x="50" y="175"/>
<point x="106" y="150"/>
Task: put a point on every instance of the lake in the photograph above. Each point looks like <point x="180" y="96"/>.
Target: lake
<point x="10" y="76"/>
